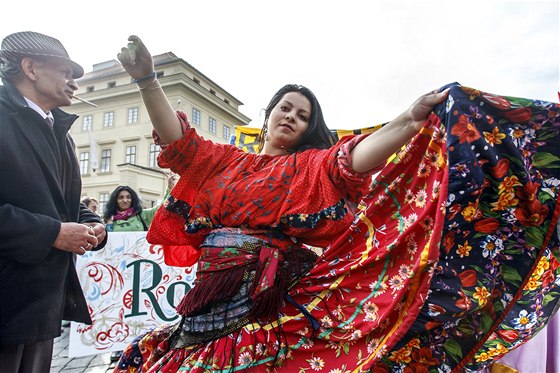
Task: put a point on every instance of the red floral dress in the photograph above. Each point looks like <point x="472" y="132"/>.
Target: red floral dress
<point x="448" y="260"/>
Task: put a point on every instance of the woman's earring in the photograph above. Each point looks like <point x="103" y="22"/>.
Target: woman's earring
<point x="266" y="130"/>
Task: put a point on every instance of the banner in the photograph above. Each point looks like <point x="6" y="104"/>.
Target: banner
<point x="129" y="291"/>
<point x="246" y="138"/>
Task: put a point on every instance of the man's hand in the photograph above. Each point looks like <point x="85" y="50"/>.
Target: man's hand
<point x="98" y="230"/>
<point x="78" y="238"/>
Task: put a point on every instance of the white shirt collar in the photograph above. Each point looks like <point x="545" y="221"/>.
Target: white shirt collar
<point x="36" y="107"/>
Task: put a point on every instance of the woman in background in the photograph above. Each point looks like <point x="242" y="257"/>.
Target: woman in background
<point x="124" y="212"/>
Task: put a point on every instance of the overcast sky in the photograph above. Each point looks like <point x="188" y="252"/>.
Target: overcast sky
<point x="365" y="61"/>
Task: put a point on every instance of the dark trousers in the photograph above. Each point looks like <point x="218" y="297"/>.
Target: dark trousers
<point x="27" y="358"/>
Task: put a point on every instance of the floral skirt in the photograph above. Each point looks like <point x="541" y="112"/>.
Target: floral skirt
<point x="451" y="262"/>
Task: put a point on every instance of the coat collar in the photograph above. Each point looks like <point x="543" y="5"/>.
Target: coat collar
<point x="62" y="119"/>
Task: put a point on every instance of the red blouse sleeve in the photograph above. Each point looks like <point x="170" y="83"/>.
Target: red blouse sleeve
<point x="195" y="160"/>
<point x="351" y="184"/>
<point x="192" y="152"/>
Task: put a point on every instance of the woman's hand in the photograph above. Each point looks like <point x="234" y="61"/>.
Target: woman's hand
<point x="381" y="144"/>
<point x="136" y="59"/>
<point x="139" y="64"/>
<point x="418" y="112"/>
<point x="172" y="179"/>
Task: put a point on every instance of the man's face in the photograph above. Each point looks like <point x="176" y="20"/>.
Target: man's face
<point x="54" y="83"/>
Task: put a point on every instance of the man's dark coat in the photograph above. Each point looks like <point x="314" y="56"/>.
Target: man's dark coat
<point x="40" y="187"/>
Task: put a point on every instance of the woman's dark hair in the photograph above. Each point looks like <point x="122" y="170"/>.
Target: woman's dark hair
<point x="112" y="206"/>
<point x="317" y="134"/>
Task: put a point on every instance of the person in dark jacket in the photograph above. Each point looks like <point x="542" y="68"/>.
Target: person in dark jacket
<point x="42" y="223"/>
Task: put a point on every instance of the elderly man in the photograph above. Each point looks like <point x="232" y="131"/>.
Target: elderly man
<point x="43" y="223"/>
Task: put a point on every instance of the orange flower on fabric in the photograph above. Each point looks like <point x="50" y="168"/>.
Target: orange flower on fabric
<point x="464" y="249"/>
<point x="401" y="356"/>
<point x="500" y="169"/>
<point x="488" y="225"/>
<point x="519" y="115"/>
<point x="531" y="213"/>
<point x="495" y="137"/>
<point x="468" y="277"/>
<point x="471" y="212"/>
<point x="424" y="356"/>
<point x="481" y="294"/>
<point x="508" y="184"/>
<point x="465" y="130"/>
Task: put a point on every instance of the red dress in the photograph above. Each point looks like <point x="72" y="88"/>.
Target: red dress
<point x="383" y="295"/>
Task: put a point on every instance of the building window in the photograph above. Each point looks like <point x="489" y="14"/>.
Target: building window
<point x="227" y="133"/>
<point x="111" y="84"/>
<point x="130" y="156"/>
<point x="84" y="163"/>
<point x="212" y="92"/>
<point x="86" y="122"/>
<point x="133" y="115"/>
<point x="105" y="160"/>
<point x="148" y="203"/>
<point x="196" y="116"/>
<point x="159" y="74"/>
<point x="108" y="118"/>
<point x="212" y="125"/>
<point x="196" y="80"/>
<point x="89" y="89"/>
<point x="103" y="199"/>
<point x="154" y="152"/>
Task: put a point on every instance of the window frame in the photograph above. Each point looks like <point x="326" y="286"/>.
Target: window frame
<point x="196" y="116"/>
<point x="132" y="115"/>
<point x="105" y="162"/>
<point x="130" y="154"/>
<point x="228" y="130"/>
<point x="84" y="162"/>
<point x="154" y="151"/>
<point x="106" y="116"/>
<point x="87" y="122"/>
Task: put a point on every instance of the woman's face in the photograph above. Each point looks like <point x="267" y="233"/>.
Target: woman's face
<point x="287" y="123"/>
<point x="124" y="200"/>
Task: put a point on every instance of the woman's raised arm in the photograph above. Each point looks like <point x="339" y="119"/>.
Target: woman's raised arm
<point x="139" y="64"/>
<point x="381" y="144"/>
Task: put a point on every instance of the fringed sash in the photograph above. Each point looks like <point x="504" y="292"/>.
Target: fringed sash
<point x="229" y="256"/>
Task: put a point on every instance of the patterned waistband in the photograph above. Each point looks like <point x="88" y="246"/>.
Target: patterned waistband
<point x="242" y="237"/>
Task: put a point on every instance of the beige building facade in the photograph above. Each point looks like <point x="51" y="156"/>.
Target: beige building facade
<point x="114" y="142"/>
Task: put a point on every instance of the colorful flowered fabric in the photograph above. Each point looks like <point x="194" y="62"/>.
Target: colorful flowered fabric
<point x="450" y="261"/>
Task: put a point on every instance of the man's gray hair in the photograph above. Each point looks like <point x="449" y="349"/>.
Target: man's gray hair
<point x="10" y="67"/>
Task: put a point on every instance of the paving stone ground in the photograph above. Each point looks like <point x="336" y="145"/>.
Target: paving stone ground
<point x="61" y="363"/>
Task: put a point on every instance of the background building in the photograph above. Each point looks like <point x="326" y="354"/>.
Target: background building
<point x="114" y="142"/>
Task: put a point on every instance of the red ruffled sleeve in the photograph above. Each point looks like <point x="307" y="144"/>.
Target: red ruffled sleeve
<point x="337" y="164"/>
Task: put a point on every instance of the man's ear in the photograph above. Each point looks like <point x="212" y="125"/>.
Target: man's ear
<point x="29" y="67"/>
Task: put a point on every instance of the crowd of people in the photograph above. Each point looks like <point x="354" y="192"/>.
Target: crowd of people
<point x="430" y="267"/>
